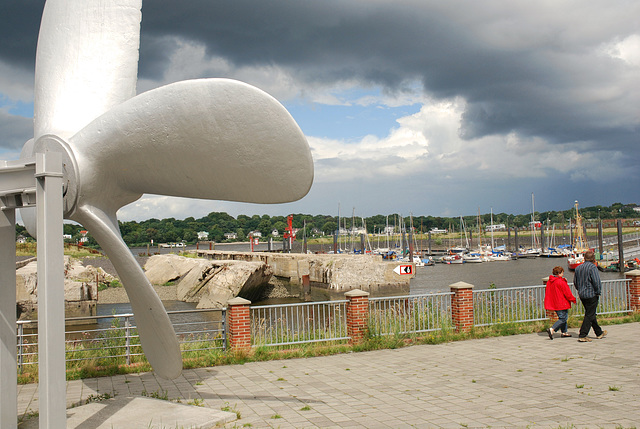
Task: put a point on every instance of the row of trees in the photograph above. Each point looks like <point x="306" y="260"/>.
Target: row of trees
<point x="216" y="224"/>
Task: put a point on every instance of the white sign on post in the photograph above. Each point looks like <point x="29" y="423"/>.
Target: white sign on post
<point x="403" y="269"/>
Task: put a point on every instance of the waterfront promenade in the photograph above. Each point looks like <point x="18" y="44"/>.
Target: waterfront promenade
<point x="516" y="381"/>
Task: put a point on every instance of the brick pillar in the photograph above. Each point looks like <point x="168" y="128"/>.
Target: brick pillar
<point x="634" y="290"/>
<point x="357" y="314"/>
<point x="462" y="306"/>
<point x="239" y="324"/>
<point x="551" y="314"/>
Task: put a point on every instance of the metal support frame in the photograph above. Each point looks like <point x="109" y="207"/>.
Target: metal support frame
<point x="24" y="183"/>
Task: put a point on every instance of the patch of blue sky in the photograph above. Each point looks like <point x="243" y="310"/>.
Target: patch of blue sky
<point x="348" y="122"/>
<point x="17" y="108"/>
<point x="351" y="113"/>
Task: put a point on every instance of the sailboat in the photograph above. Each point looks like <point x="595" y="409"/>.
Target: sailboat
<point x="579" y="243"/>
<point x="534" y="251"/>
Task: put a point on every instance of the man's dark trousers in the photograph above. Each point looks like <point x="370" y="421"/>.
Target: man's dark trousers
<point x="590" y="321"/>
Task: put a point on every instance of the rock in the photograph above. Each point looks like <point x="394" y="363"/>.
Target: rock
<point x="80" y="288"/>
<point x="162" y="269"/>
<point x="217" y="282"/>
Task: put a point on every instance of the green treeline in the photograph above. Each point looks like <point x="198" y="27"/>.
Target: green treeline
<point x="216" y="224"/>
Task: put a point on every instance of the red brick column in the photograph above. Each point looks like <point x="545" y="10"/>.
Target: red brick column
<point x="634" y="290"/>
<point x="239" y="324"/>
<point x="462" y="306"/>
<point x="551" y="314"/>
<point x="357" y="314"/>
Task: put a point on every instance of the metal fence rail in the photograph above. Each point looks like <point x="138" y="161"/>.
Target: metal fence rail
<point x="526" y="304"/>
<point x="614" y="298"/>
<point x="518" y="304"/>
<point x="409" y="314"/>
<point x="275" y="325"/>
<point x="114" y="339"/>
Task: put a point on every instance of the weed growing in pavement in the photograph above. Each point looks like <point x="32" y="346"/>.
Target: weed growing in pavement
<point x="230" y="409"/>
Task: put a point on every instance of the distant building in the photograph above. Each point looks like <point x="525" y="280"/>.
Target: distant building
<point x="357" y="231"/>
<point x="230" y="235"/>
<point x="497" y="227"/>
<point x="275" y="233"/>
<point x="67" y="237"/>
<point x="255" y="234"/>
<point x="203" y="236"/>
<point x="389" y="230"/>
<point x="435" y="230"/>
<point x="21" y="239"/>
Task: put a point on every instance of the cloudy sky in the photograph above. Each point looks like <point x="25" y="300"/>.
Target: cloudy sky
<point x="424" y="107"/>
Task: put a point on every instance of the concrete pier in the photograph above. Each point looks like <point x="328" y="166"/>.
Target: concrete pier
<point x="335" y="272"/>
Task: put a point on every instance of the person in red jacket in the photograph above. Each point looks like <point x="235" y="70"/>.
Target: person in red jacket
<point x="558" y="297"/>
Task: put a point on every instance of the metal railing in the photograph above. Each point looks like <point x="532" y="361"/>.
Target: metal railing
<point x="409" y="314"/>
<point x="526" y="304"/>
<point x="275" y="325"/>
<point x="518" y="304"/>
<point x="114" y="339"/>
<point x="613" y="300"/>
<point x="613" y="240"/>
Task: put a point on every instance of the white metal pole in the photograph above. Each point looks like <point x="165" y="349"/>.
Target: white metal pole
<point x="8" y="363"/>
<point x="51" y="353"/>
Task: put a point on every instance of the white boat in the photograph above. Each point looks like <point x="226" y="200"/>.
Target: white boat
<point x="473" y="258"/>
<point x="500" y="257"/>
<point x="455" y="258"/>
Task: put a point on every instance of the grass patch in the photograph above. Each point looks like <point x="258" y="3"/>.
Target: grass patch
<point x="99" y="366"/>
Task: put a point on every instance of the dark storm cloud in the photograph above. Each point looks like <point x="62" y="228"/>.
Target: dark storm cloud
<point x="524" y="68"/>
<point x="528" y="80"/>
<point x="19" y="31"/>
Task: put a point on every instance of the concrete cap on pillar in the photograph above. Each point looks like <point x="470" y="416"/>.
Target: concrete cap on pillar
<point x="633" y="273"/>
<point x="355" y="293"/>
<point x="461" y="285"/>
<point x="238" y="301"/>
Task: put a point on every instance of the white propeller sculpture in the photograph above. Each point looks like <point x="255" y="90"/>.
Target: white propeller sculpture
<point x="207" y="138"/>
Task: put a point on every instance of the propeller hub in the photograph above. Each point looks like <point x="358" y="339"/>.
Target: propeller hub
<point x="52" y="143"/>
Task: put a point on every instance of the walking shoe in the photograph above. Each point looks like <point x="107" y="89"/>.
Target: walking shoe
<point x="604" y="333"/>
<point x="584" y="340"/>
<point x="550" y="332"/>
<point x="565" y="334"/>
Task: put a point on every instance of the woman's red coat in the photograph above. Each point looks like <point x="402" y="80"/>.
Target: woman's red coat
<point x="557" y="294"/>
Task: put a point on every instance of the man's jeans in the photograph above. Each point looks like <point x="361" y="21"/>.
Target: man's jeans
<point x="590" y="321"/>
<point x="561" y="323"/>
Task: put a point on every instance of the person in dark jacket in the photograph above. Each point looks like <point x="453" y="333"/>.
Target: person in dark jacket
<point x="558" y="298"/>
<point x="587" y="281"/>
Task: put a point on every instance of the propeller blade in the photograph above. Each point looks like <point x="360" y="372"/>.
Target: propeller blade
<point x="157" y="335"/>
<point x="86" y="62"/>
<point x="208" y="138"/>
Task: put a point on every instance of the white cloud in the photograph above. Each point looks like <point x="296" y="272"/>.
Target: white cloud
<point x="627" y="50"/>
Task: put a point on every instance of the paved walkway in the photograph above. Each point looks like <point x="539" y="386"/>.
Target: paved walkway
<point x="517" y="381"/>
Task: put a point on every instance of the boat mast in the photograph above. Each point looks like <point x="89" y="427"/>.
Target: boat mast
<point x="479" y="231"/>
<point x="580" y="243"/>
<point x="492" y="244"/>
<point x="533" y="222"/>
